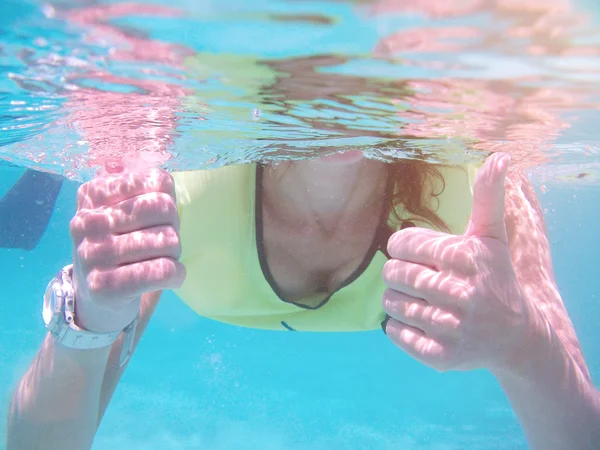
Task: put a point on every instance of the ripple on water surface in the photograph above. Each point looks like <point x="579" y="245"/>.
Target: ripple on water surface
<point x="91" y="86"/>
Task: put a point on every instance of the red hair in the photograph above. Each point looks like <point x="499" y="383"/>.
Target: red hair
<point x="413" y="187"/>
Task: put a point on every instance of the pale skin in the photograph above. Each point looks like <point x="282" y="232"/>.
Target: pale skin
<point x="486" y="299"/>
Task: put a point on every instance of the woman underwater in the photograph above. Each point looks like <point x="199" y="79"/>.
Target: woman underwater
<point x="301" y="245"/>
<point x="452" y="262"/>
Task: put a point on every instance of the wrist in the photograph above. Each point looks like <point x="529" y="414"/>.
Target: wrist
<point x="65" y="318"/>
<point x="541" y="356"/>
<point x="532" y="351"/>
<point x="555" y="403"/>
<point x="101" y="320"/>
<point x="97" y="317"/>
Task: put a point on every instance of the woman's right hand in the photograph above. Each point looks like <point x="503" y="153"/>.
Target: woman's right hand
<point x="126" y="243"/>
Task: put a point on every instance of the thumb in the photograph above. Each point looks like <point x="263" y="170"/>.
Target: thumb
<point x="487" y="215"/>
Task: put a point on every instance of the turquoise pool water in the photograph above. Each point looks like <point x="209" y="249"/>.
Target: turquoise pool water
<point x="195" y="383"/>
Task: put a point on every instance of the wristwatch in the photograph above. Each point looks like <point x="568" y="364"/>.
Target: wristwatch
<point x="59" y="316"/>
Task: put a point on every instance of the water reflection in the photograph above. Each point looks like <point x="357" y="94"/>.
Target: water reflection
<point x="522" y="114"/>
<point x="446" y="84"/>
<point x="127" y="121"/>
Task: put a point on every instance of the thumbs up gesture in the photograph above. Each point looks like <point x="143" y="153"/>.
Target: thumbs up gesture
<point x="454" y="301"/>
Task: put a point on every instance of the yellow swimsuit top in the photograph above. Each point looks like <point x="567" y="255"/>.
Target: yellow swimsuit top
<point x="225" y="279"/>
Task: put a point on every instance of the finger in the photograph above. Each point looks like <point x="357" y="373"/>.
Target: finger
<point x="416" y="312"/>
<point x="138" y="213"/>
<point x="487" y="216"/>
<point x="440" y="251"/>
<point x="414" y="342"/>
<point x="133" y="280"/>
<point x="144" y="211"/>
<point x="442" y="289"/>
<point x="109" y="190"/>
<point x="142" y="245"/>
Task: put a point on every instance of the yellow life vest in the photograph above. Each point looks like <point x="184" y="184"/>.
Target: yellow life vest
<point x="225" y="280"/>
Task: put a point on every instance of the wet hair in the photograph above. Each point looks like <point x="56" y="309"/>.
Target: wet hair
<point x="413" y="187"/>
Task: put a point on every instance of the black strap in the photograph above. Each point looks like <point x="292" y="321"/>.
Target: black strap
<point x="26" y="208"/>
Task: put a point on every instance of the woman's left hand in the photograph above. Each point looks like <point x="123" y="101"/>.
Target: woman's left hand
<point x="454" y="301"/>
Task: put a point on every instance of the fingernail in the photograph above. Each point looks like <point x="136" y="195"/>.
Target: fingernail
<point x="384" y="324"/>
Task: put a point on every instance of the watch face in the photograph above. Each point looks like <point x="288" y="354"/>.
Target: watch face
<point x="60" y="292"/>
<point x="52" y="309"/>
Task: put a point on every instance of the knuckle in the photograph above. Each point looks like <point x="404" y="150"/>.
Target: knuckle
<point x="392" y="242"/>
<point x="76" y="227"/>
<point x="468" y="294"/>
<point x="462" y="293"/>
<point x="171" y="207"/>
<point x="81" y="195"/>
<point x="166" y="180"/>
<point x="166" y="203"/>
<point x="387" y="303"/>
<point x="86" y="194"/>
<point x="165" y="236"/>
<point x="399" y="239"/>
<point x="162" y="180"/>
<point x="175" y="243"/>
<point x="157" y="203"/>
<point x="471" y="256"/>
<point x="82" y="254"/>
<point x="473" y="247"/>
<point x="168" y="267"/>
<point x="117" y="184"/>
<point x="389" y="269"/>
<point x="169" y="272"/>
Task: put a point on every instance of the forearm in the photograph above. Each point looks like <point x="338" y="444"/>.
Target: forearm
<point x="551" y="391"/>
<point x="55" y="406"/>
<point x="555" y="401"/>
<point x="114" y="370"/>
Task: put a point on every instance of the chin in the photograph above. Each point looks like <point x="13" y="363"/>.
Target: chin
<point x="342" y="158"/>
